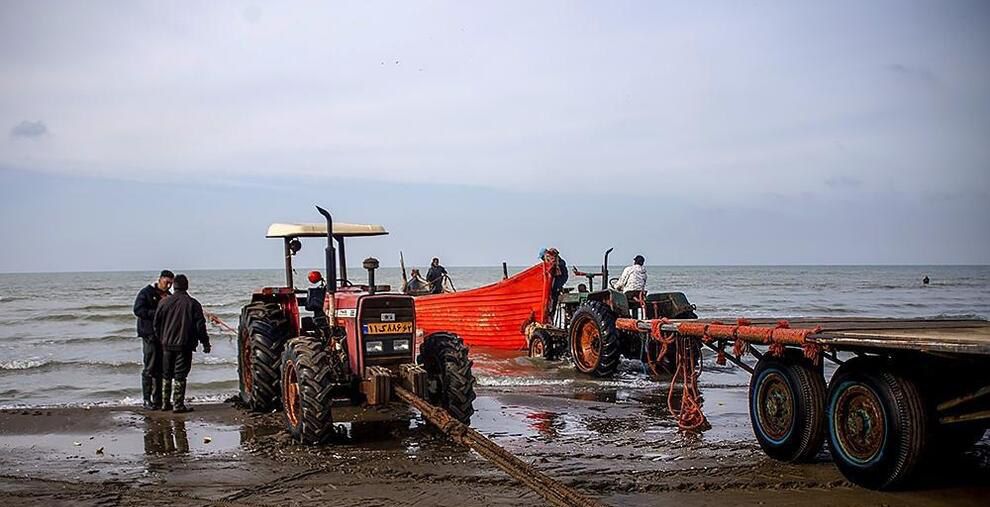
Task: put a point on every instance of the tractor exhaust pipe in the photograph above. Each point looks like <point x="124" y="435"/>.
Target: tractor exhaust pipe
<point x="371" y="264"/>
<point x="605" y="284"/>
<point x="331" y="254"/>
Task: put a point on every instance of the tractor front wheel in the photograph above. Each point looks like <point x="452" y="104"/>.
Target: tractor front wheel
<point x="538" y="345"/>
<point x="261" y="337"/>
<point x="309" y="372"/>
<point x="451" y="386"/>
<point x="594" y="340"/>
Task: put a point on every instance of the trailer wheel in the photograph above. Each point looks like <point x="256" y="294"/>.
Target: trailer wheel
<point x="787" y="407"/>
<point x="261" y="338"/>
<point x="594" y="340"/>
<point x="310" y="373"/>
<point x="877" y="426"/>
<point x="445" y="359"/>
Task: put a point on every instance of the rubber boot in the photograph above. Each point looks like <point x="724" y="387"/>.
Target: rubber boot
<point x="156" y="394"/>
<point x="147" y="388"/>
<point x="179" y="398"/>
<point x="167" y="394"/>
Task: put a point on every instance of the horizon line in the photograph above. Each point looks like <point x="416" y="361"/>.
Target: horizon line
<point x="509" y="266"/>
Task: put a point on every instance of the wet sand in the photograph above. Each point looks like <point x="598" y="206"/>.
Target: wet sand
<point x="610" y="439"/>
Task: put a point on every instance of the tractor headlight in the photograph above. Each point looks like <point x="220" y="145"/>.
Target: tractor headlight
<point x="400" y="345"/>
<point x="373" y="347"/>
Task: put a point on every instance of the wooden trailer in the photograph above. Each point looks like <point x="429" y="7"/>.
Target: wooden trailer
<point x="905" y="391"/>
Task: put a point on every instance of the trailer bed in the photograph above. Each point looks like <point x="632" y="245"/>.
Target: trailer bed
<point x="959" y="336"/>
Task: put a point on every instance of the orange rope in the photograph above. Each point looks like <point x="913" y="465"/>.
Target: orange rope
<point x="216" y="321"/>
<point x="689" y="416"/>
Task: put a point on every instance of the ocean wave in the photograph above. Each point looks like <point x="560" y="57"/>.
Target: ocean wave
<point x="956" y="316"/>
<point x="69" y="317"/>
<point x="16" y="365"/>
<point x="520" y="381"/>
<point x="126" y="401"/>
<point x="22" y="364"/>
<point x="119" y="306"/>
<point x="95" y="339"/>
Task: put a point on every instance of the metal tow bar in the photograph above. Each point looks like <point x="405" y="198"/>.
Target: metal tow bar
<point x="552" y="491"/>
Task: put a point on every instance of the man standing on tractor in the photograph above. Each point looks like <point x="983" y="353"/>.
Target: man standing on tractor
<point x="181" y="325"/>
<point x="633" y="278"/>
<point x="435" y="276"/>
<point x="558" y="275"/>
<point x="144" y="309"/>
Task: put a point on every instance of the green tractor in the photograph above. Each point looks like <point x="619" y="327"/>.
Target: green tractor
<point x="583" y="325"/>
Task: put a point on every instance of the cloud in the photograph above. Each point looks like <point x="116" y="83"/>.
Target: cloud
<point x="916" y="74"/>
<point x="843" y="182"/>
<point x="29" y="129"/>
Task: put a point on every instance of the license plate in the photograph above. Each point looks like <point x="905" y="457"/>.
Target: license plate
<point x="388" y="328"/>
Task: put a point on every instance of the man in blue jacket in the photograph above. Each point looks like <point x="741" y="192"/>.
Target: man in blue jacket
<point x="145" y="306"/>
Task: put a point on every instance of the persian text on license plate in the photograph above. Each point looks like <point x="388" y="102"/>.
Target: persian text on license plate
<point x="388" y="328"/>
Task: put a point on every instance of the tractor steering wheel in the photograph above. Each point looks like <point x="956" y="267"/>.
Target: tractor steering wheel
<point x="611" y="282"/>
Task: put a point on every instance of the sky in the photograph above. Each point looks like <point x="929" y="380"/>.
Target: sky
<point x="135" y="135"/>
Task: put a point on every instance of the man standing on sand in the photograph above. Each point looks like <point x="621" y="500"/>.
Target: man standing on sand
<point x="144" y="309"/>
<point x="181" y="325"/>
<point x="435" y="276"/>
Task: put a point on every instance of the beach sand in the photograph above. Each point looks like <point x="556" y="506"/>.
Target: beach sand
<point x="606" y="442"/>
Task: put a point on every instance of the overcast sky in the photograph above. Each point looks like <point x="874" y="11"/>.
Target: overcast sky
<point x="138" y="134"/>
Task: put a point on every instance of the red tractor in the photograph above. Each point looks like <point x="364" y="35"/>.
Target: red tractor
<point x="352" y="343"/>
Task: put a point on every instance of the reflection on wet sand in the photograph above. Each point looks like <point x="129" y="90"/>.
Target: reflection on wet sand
<point x="546" y="424"/>
<point x="165" y="436"/>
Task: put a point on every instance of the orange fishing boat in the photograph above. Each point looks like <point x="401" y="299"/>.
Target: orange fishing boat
<point x="489" y="316"/>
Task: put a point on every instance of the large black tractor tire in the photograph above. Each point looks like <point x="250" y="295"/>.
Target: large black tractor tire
<point x="262" y="332"/>
<point x="451" y="386"/>
<point x="594" y="340"/>
<point x="787" y="407"/>
<point x="877" y="423"/>
<point x="310" y="375"/>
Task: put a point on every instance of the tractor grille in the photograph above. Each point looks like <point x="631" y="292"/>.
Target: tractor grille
<point x="387" y="323"/>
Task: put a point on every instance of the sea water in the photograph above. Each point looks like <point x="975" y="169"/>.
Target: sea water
<point x="69" y="338"/>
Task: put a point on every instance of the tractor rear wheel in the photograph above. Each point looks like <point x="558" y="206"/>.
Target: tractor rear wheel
<point x="451" y="386"/>
<point x="261" y="337"/>
<point x="310" y="374"/>
<point x="594" y="340"/>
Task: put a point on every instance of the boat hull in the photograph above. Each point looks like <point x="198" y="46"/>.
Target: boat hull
<point x="490" y="316"/>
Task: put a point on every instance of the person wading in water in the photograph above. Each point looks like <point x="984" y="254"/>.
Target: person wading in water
<point x="144" y="309"/>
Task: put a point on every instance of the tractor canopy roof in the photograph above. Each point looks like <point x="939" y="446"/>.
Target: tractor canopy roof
<point x="320" y="230"/>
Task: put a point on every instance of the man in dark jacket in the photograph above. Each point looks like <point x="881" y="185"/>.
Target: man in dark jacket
<point x="144" y="309"/>
<point x="558" y="274"/>
<point x="435" y="276"/>
<point x="181" y="325"/>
